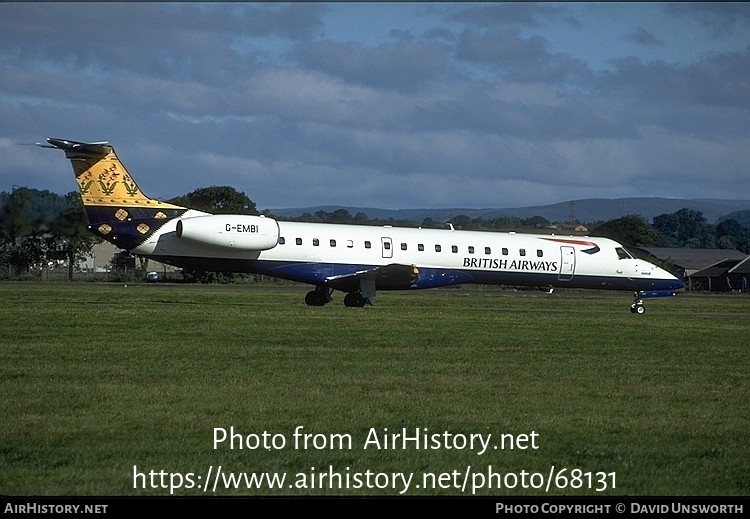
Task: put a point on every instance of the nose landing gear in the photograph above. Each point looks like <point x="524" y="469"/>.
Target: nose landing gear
<point x="637" y="306"/>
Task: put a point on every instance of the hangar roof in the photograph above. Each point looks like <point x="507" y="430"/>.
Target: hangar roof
<point x="691" y="259"/>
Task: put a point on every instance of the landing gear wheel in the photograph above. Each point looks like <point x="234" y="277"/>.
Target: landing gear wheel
<point x="318" y="297"/>
<point x="354" y="299"/>
<point x="637" y="306"/>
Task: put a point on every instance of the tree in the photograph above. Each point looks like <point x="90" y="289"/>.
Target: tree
<point x="73" y="241"/>
<point x="16" y="218"/>
<point x="731" y="235"/>
<point x="537" y="222"/>
<point x="628" y="230"/>
<point x="217" y="199"/>
<point x="16" y="226"/>
<point x="37" y="227"/>
<point x="684" y="228"/>
<point x="123" y="261"/>
<point x="461" y="221"/>
<point x="340" y="216"/>
<point x="429" y="223"/>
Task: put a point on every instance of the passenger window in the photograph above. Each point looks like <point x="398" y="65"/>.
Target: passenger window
<point x="505" y="251"/>
<point x="368" y="245"/>
<point x="316" y="242"/>
<point x="522" y="252"/>
<point x="387" y="245"/>
<point x="454" y="248"/>
<point x="349" y="244"/>
<point x="333" y="243"/>
<point x="299" y="241"/>
<point x="282" y="241"/>
<point x="420" y="247"/>
<point x="487" y="250"/>
<point x="539" y="253"/>
<point x="438" y="248"/>
<point x="403" y="246"/>
<point x="471" y="249"/>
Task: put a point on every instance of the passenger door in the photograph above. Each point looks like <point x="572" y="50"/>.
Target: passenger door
<point x="567" y="263"/>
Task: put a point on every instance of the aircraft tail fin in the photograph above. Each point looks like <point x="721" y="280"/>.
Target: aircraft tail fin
<point x="117" y="210"/>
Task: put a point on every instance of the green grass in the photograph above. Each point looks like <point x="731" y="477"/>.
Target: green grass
<point x="99" y="378"/>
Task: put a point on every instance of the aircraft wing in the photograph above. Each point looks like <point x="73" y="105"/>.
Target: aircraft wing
<point x="395" y="276"/>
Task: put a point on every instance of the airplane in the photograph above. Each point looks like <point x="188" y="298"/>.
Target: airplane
<point x="355" y="259"/>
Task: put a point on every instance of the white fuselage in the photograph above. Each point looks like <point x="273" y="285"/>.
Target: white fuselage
<point x="316" y="253"/>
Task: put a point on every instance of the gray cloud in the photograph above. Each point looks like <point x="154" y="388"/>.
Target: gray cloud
<point x="643" y="37"/>
<point x="403" y="65"/>
<point x="475" y="106"/>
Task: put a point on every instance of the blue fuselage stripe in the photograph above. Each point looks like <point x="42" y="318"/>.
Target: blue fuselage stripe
<point x="317" y="273"/>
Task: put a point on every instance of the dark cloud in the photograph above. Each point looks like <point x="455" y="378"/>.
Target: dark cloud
<point x="440" y="33"/>
<point x="707" y="97"/>
<point x="512" y="14"/>
<point x="720" y="18"/>
<point x="500" y="47"/>
<point x="643" y="37"/>
<point x="515" y="58"/>
<point x="177" y="41"/>
<point x="403" y="65"/>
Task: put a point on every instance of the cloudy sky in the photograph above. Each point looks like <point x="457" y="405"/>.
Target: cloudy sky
<point x="389" y="105"/>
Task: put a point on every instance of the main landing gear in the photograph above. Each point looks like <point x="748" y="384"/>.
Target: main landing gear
<point x="637" y="306"/>
<point x="322" y="296"/>
<point x="318" y="297"/>
<point x="355" y="300"/>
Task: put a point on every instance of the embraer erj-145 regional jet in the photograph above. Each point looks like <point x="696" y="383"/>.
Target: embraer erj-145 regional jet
<point x="355" y="259"/>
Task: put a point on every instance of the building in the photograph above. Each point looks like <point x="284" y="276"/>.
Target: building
<point x="724" y="276"/>
<point x="100" y="261"/>
<point x="702" y="269"/>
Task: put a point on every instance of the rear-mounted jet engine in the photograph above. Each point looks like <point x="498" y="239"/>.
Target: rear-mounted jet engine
<point x="242" y="232"/>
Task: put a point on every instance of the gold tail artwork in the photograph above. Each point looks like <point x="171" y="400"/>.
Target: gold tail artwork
<point x="117" y="210"/>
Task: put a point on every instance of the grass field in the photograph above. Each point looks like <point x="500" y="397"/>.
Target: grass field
<point x="103" y="382"/>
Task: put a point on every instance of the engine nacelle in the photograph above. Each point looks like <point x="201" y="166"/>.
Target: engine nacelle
<point x="232" y="231"/>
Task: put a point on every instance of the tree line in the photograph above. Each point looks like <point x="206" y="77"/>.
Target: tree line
<point x="40" y="229"/>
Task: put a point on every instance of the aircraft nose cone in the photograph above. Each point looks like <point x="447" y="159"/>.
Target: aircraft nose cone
<point x="674" y="282"/>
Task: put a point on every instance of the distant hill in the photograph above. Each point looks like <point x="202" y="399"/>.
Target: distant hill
<point x="590" y="210"/>
<point x="742" y="217"/>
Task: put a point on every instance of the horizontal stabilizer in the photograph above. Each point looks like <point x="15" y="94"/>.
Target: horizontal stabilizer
<point x="84" y="148"/>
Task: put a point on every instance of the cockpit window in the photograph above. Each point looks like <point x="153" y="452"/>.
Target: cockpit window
<point x="623" y="254"/>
